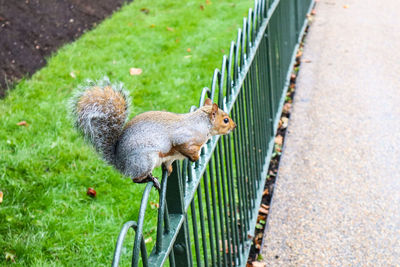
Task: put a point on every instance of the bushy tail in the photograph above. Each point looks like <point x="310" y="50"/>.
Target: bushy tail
<point x="100" y="111"/>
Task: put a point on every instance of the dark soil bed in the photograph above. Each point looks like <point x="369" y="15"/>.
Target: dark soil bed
<point x="30" y="30"/>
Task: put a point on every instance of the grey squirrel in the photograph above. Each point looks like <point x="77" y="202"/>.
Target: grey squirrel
<point x="148" y="140"/>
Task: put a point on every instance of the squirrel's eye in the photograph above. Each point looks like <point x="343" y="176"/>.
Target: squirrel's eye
<point x="226" y="120"/>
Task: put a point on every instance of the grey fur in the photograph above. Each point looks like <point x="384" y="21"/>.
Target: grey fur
<point x="100" y="125"/>
<point x="137" y="152"/>
<point x="147" y="141"/>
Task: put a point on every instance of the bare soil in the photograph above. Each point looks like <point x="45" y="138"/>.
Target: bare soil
<point x="30" y="30"/>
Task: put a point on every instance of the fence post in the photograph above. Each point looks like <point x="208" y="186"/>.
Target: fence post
<point x="176" y="205"/>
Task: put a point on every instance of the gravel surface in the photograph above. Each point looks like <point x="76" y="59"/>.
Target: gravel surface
<point x="337" y="197"/>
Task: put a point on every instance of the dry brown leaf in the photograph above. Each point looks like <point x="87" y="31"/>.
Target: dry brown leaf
<point x="145" y="10"/>
<point x="227" y="247"/>
<point x="266" y="192"/>
<point x="262" y="210"/>
<point x="154" y="205"/>
<point x="265" y="206"/>
<point x="135" y="71"/>
<point x="261" y="217"/>
<point x="258" y="264"/>
<point x="285" y="122"/>
<point x="22" y="123"/>
<point x="201" y="7"/>
<point x="313" y="12"/>
<point x="1" y="197"/>
<point x="286" y="108"/>
<point x="279" y="140"/>
<point x="91" y="192"/>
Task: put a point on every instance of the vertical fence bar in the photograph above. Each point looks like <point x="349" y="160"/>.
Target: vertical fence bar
<point x="176" y="205"/>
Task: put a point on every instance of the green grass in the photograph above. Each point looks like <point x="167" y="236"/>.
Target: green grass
<point x="46" y="218"/>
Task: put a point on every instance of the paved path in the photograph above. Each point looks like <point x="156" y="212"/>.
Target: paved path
<point x="337" y="197"/>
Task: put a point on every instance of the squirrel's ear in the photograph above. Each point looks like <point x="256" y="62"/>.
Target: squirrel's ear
<point x="214" y="111"/>
<point x="208" y="102"/>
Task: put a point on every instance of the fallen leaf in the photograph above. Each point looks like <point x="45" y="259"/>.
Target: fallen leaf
<point x="148" y="240"/>
<point x="285" y="122"/>
<point x="135" y="71"/>
<point x="299" y="53"/>
<point x="189" y="50"/>
<point x="262" y="210"/>
<point x="286" y="108"/>
<point x="258" y="264"/>
<point x="201" y="7"/>
<point x="22" y="123"/>
<point x="345" y="6"/>
<point x="260" y="235"/>
<point x="266" y="192"/>
<point x="306" y="61"/>
<point x="313" y="12"/>
<point x="152" y="26"/>
<point x="10" y="256"/>
<point x="265" y="206"/>
<point x="293" y="77"/>
<point x="91" y="192"/>
<point x="145" y="10"/>
<point x="1" y="197"/>
<point x="170" y="29"/>
<point x="261" y="217"/>
<point x="279" y="140"/>
<point x="154" y="205"/>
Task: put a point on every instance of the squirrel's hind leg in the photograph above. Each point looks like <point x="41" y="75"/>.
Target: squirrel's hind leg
<point x="139" y="167"/>
<point x="148" y="178"/>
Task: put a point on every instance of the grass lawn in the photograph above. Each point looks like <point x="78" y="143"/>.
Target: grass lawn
<point x="46" y="218"/>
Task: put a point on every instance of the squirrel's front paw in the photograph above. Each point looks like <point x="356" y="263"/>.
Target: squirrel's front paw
<point x="194" y="158"/>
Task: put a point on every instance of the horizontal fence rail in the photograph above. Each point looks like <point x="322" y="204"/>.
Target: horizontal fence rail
<point x="208" y="209"/>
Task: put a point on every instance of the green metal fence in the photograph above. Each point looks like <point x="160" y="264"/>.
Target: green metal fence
<point x="208" y="210"/>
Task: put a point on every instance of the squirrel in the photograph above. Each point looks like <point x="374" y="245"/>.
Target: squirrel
<point x="150" y="139"/>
